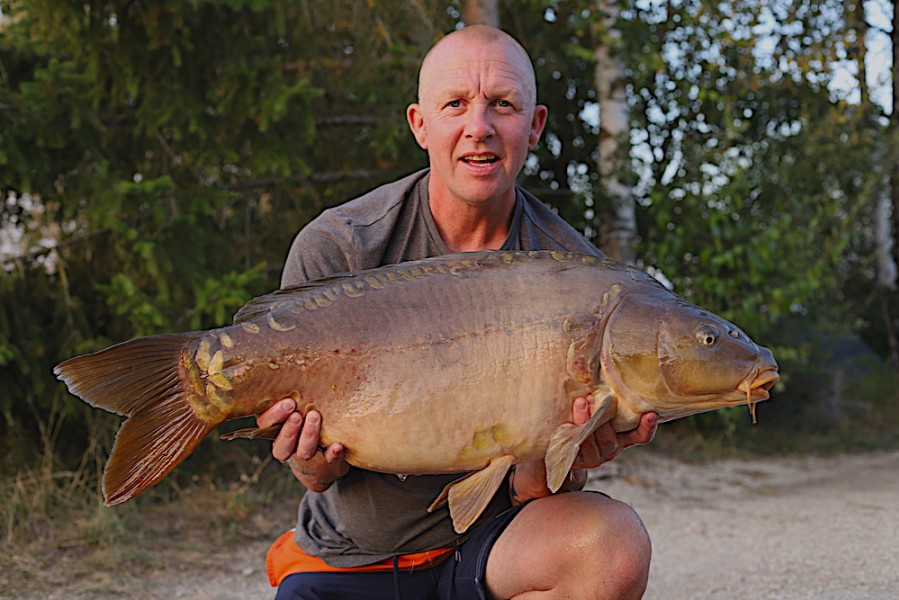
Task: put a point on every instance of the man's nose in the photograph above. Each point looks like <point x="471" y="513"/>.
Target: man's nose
<point x="479" y="125"/>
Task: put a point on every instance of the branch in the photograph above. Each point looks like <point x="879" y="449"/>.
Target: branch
<point x="314" y="178"/>
<point x="246" y="185"/>
<point x="346" y="120"/>
<point x="30" y="256"/>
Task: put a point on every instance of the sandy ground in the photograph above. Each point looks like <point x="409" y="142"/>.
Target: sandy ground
<point x="785" y="529"/>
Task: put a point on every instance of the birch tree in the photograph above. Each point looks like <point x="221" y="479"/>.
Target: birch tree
<point x="481" y="12"/>
<point x="618" y="219"/>
<point x="894" y="128"/>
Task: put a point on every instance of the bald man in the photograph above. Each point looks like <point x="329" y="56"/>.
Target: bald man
<point x="362" y="534"/>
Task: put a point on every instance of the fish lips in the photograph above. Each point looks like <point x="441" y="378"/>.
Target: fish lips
<point x="759" y="383"/>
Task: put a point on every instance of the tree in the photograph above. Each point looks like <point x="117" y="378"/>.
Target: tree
<point x="894" y="127"/>
<point x="618" y="233"/>
<point x="481" y="12"/>
<point x="890" y="309"/>
<point x="167" y="171"/>
<point x="750" y="168"/>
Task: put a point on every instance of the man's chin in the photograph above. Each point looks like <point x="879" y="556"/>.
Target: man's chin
<point x="475" y="189"/>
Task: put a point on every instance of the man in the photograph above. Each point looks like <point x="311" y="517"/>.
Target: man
<point x="364" y="534"/>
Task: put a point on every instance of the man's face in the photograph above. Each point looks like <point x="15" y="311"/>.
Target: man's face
<point x="476" y="117"/>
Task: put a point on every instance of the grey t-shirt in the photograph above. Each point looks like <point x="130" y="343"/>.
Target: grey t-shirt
<point x="365" y="516"/>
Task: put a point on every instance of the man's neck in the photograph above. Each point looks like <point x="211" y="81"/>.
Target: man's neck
<point x="466" y="227"/>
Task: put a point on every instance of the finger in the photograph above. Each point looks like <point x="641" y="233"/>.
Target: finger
<point x="607" y="440"/>
<point x="644" y="432"/>
<point x="334" y="453"/>
<point x="581" y="410"/>
<point x="277" y="413"/>
<point x="310" y="436"/>
<point x="589" y="455"/>
<point x="284" y="445"/>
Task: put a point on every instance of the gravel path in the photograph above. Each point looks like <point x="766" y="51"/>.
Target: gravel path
<point x="785" y="529"/>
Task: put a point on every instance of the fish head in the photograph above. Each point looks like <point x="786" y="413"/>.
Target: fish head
<point x="667" y="355"/>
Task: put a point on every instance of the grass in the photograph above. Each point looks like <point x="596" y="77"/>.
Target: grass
<point x="73" y="540"/>
<point x="56" y="530"/>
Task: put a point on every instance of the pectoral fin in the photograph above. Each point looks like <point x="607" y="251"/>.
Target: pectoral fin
<point x="567" y="440"/>
<point x="470" y="495"/>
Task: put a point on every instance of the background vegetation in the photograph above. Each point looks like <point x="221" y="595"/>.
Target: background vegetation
<point x="157" y="158"/>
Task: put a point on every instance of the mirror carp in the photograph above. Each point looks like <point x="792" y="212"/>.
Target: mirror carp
<point x="461" y="363"/>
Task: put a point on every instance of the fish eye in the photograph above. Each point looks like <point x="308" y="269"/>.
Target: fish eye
<point x="707" y="335"/>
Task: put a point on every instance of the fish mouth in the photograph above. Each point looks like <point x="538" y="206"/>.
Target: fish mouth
<point x="760" y="383"/>
<point x="757" y="386"/>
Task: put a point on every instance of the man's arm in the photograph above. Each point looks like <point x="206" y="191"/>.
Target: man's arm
<point x="528" y="480"/>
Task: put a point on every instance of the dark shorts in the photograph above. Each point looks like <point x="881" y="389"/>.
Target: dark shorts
<point x="460" y="577"/>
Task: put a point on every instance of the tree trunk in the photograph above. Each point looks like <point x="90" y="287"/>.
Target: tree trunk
<point x="894" y="130"/>
<point x="481" y="12"/>
<point x="893" y="203"/>
<point x="618" y="219"/>
<point x="883" y="234"/>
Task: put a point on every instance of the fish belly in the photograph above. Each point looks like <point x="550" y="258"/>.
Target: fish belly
<point x="450" y="407"/>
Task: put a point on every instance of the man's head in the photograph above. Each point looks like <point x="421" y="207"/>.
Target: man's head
<point x="484" y="35"/>
<point x="476" y="113"/>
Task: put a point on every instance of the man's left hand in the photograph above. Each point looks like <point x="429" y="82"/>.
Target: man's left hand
<point x="528" y="480"/>
<point x="605" y="444"/>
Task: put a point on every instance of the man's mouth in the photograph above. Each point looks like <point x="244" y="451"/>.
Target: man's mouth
<point x="480" y="159"/>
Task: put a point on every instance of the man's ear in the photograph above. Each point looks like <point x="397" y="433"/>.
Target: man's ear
<point x="417" y="125"/>
<point x="537" y="125"/>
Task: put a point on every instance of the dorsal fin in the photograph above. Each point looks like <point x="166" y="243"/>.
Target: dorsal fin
<point x="359" y="282"/>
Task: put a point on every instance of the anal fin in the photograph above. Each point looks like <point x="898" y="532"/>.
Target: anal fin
<point x="566" y="441"/>
<point x="253" y="433"/>
<point x="469" y="496"/>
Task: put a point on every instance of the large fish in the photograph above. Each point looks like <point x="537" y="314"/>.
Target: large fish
<point x="461" y="363"/>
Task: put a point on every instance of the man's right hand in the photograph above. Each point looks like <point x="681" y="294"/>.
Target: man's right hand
<point x="298" y="442"/>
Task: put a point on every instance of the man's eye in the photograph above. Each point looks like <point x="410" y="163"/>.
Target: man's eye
<point x="504" y="104"/>
<point x="454" y="103"/>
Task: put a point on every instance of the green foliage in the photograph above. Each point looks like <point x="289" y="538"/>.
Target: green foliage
<point x="157" y="159"/>
<point x="169" y="151"/>
<point x="757" y="181"/>
<point x="561" y="38"/>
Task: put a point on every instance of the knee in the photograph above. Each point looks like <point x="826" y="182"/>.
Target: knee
<point x="614" y="549"/>
<point x="632" y="552"/>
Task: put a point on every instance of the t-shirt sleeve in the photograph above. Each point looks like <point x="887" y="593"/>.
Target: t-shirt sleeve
<point x="324" y="247"/>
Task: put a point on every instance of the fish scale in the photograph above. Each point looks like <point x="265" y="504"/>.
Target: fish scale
<point x="462" y="363"/>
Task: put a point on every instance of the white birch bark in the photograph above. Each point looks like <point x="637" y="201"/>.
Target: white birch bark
<point x="618" y="228"/>
<point x="886" y="266"/>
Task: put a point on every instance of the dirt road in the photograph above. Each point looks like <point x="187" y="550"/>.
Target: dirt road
<point x="784" y="529"/>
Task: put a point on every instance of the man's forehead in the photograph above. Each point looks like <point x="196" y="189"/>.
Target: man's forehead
<point x="461" y="67"/>
<point x="496" y="69"/>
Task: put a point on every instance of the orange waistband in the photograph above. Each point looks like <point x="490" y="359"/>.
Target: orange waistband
<point x="285" y="558"/>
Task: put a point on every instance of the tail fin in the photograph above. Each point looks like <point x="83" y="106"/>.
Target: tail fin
<point x="139" y="379"/>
